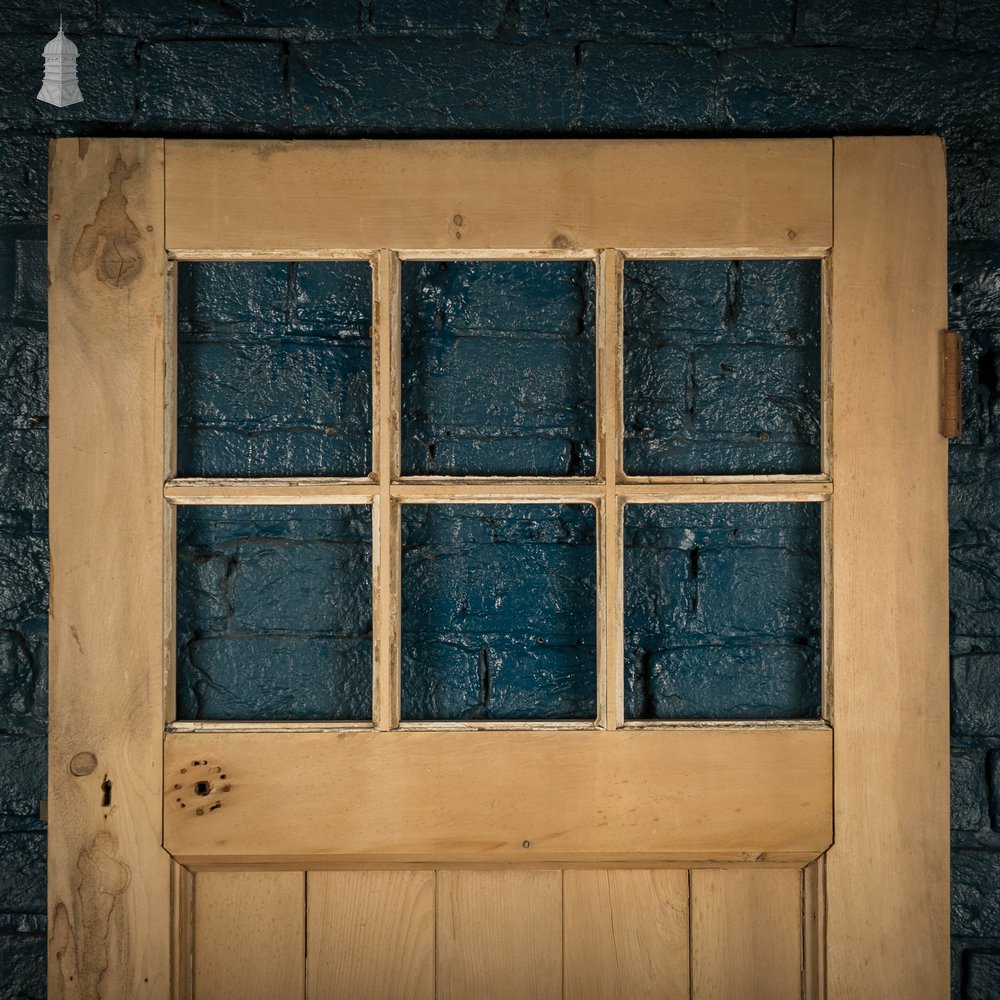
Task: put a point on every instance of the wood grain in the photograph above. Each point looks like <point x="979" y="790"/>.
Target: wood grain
<point x="493" y="796"/>
<point x="746" y="935"/>
<point x="249" y="935"/>
<point x="625" y="935"/>
<point x="887" y="875"/>
<point x="735" y="198"/>
<point x="371" y="935"/>
<point x="499" y="935"/>
<point x="108" y="877"/>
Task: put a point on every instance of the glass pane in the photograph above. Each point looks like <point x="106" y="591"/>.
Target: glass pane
<point x="722" y="611"/>
<point x="499" y="612"/>
<point x="274" y="613"/>
<point x="498" y="368"/>
<point x="274" y="369"/>
<point x="722" y="367"/>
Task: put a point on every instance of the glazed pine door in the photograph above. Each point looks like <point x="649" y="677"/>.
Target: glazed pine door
<point x="383" y="858"/>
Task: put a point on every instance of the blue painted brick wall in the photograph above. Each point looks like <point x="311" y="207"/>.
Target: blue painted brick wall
<point x="559" y="67"/>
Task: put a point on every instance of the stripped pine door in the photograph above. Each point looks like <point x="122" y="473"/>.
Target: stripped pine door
<point x="610" y="858"/>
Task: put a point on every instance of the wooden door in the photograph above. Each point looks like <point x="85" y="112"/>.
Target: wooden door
<point x="610" y="858"/>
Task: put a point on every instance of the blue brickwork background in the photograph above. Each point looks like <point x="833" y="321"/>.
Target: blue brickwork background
<point x="509" y="68"/>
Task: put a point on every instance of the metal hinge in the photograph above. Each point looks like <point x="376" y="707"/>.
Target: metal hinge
<point x="951" y="385"/>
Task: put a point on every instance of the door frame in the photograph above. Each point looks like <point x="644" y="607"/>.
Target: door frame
<point x="122" y="211"/>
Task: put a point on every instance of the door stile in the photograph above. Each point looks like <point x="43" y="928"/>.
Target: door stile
<point x="108" y="876"/>
<point x="385" y="511"/>
<point x="610" y="607"/>
<point x="887" y="872"/>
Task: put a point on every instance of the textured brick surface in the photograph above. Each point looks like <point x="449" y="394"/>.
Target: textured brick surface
<point x="485" y="67"/>
<point x="722" y="611"/>
<point x="274" y="613"/>
<point x="969" y="799"/>
<point x="721" y="367"/>
<point x="498" y="369"/>
<point x="982" y="971"/>
<point x="498" y="612"/>
<point x="275" y="369"/>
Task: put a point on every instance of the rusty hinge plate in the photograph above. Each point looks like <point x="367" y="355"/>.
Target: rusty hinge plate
<point x="951" y="385"/>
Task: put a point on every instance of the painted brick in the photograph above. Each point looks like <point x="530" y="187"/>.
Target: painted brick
<point x="224" y="85"/>
<point x="975" y="694"/>
<point x="690" y="23"/>
<point x="275" y="369"/>
<point x="24" y="572"/>
<point x="22" y="781"/>
<point x="498" y="612"/>
<point x="498" y="369"/>
<point x="429" y="84"/>
<point x="623" y="87"/>
<point x="105" y="68"/>
<point x="974" y="274"/>
<point x="975" y="894"/>
<point x="982" y="975"/>
<point x="993" y="768"/>
<point x="970" y="808"/>
<point x="23" y="179"/>
<point x="33" y="16"/>
<point x="722" y="611"/>
<point x="835" y="89"/>
<point x="858" y="24"/>
<point x="274" y="613"/>
<point x="975" y="586"/>
<point x="973" y="494"/>
<point x="287" y="408"/>
<point x="974" y="178"/>
<point x="234" y="19"/>
<point x="22" y="957"/>
<point x="22" y="872"/>
<point x="721" y="367"/>
<point x="23" y="678"/>
<point x="973" y="24"/>
<point x="274" y="677"/>
<point x="24" y="470"/>
<point x="460" y="19"/>
<point x="23" y="360"/>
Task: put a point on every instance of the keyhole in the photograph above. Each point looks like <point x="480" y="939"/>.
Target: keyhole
<point x="105" y="793"/>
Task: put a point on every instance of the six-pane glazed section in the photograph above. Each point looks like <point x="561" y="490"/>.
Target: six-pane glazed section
<point x="499" y="594"/>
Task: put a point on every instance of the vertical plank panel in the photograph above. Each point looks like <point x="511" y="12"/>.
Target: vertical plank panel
<point x="887" y="873"/>
<point x="499" y="935"/>
<point x="371" y="934"/>
<point x="625" y="934"/>
<point x="385" y="515"/>
<point x="108" y="878"/>
<point x="814" y="930"/>
<point x="182" y="927"/>
<point x="746" y="934"/>
<point x="249" y="935"/>
<point x="610" y="610"/>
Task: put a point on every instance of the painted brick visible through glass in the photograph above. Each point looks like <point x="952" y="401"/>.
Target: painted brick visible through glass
<point x="274" y="612"/>
<point x="498" y="368"/>
<point x="274" y="368"/>
<point x="722" y="611"/>
<point x="722" y="367"/>
<point x="499" y="612"/>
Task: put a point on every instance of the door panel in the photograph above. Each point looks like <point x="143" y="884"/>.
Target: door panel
<point x="625" y="934"/>
<point x="249" y="935"/>
<point x="576" y="824"/>
<point x="746" y="935"/>
<point x="371" y="934"/>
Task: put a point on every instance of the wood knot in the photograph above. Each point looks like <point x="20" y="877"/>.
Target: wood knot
<point x="83" y="764"/>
